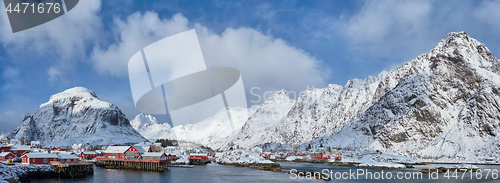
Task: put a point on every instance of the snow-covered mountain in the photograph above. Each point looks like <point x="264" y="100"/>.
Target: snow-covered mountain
<point x="76" y="116"/>
<point x="445" y="108"/>
<point x="208" y="132"/>
<point x="261" y="123"/>
<point x="443" y="105"/>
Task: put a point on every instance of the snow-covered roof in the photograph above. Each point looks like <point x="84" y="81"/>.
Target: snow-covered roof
<point x="197" y="154"/>
<point x="140" y="149"/>
<point x="20" y="148"/>
<point x="117" y="149"/>
<point x="152" y="154"/>
<point x="67" y="156"/>
<point x="4" y="154"/>
<point x="41" y="155"/>
<point x="171" y="147"/>
<point x="89" y="152"/>
<point x="35" y="142"/>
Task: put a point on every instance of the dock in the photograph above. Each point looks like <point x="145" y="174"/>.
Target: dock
<point x="73" y="169"/>
<point x="136" y="164"/>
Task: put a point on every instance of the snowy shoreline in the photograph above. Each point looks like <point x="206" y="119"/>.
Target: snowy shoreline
<point x="246" y="158"/>
<point x="18" y="172"/>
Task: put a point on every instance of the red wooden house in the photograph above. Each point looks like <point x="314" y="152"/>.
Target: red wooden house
<point x="39" y="158"/>
<point x="88" y="155"/>
<point x="56" y="149"/>
<point x="20" y="150"/>
<point x="35" y="144"/>
<point x="295" y="154"/>
<point x="198" y="156"/>
<point x="123" y="152"/>
<point x="68" y="158"/>
<point x="320" y="156"/>
<point x="156" y="157"/>
<point x="265" y="155"/>
<point x="4" y="156"/>
<point x="5" y="148"/>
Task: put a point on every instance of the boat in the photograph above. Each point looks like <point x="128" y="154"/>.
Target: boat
<point x="182" y="166"/>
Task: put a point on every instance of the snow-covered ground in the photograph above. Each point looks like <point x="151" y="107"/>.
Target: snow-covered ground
<point x="182" y="160"/>
<point x="13" y="172"/>
<point x="292" y="158"/>
<point x="384" y="161"/>
<point x="241" y="156"/>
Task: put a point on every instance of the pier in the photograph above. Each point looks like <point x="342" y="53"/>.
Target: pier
<point x="136" y="164"/>
<point x="73" y="169"/>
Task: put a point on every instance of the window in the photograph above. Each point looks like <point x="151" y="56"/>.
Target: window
<point x="62" y="161"/>
<point x="45" y="160"/>
<point x="33" y="160"/>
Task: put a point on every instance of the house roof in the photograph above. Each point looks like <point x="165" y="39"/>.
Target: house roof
<point x="20" y="148"/>
<point x="197" y="154"/>
<point x="140" y="149"/>
<point x="41" y="155"/>
<point x="4" y="154"/>
<point x="89" y="152"/>
<point x="67" y="156"/>
<point x="157" y="154"/>
<point x="117" y="149"/>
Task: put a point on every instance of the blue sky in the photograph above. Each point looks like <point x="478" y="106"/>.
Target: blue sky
<point x="275" y="44"/>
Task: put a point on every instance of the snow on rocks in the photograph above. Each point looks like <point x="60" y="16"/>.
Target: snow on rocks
<point x="14" y="173"/>
<point x="182" y="160"/>
<point x="385" y="161"/>
<point x="294" y="158"/>
<point x="246" y="158"/>
<point x="241" y="156"/>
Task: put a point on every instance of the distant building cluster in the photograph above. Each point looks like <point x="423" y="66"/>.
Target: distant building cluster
<point x="34" y="153"/>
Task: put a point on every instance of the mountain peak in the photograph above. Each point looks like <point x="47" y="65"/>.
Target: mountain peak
<point x="454" y="41"/>
<point x="279" y="96"/>
<point x="76" y="91"/>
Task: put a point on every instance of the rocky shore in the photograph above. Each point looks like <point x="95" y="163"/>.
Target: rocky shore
<point x="275" y="167"/>
<point x="246" y="158"/>
<point x="22" y="173"/>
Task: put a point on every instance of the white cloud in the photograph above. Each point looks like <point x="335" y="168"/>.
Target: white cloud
<point x="264" y="61"/>
<point x="12" y="80"/>
<point x="135" y="33"/>
<point x="65" y="36"/>
<point x="488" y="12"/>
<point x="378" y="20"/>
<point x="54" y="74"/>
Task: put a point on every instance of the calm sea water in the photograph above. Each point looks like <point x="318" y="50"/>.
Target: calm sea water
<point x="224" y="173"/>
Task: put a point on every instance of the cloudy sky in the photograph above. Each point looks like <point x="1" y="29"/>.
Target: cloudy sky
<point x="275" y="44"/>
